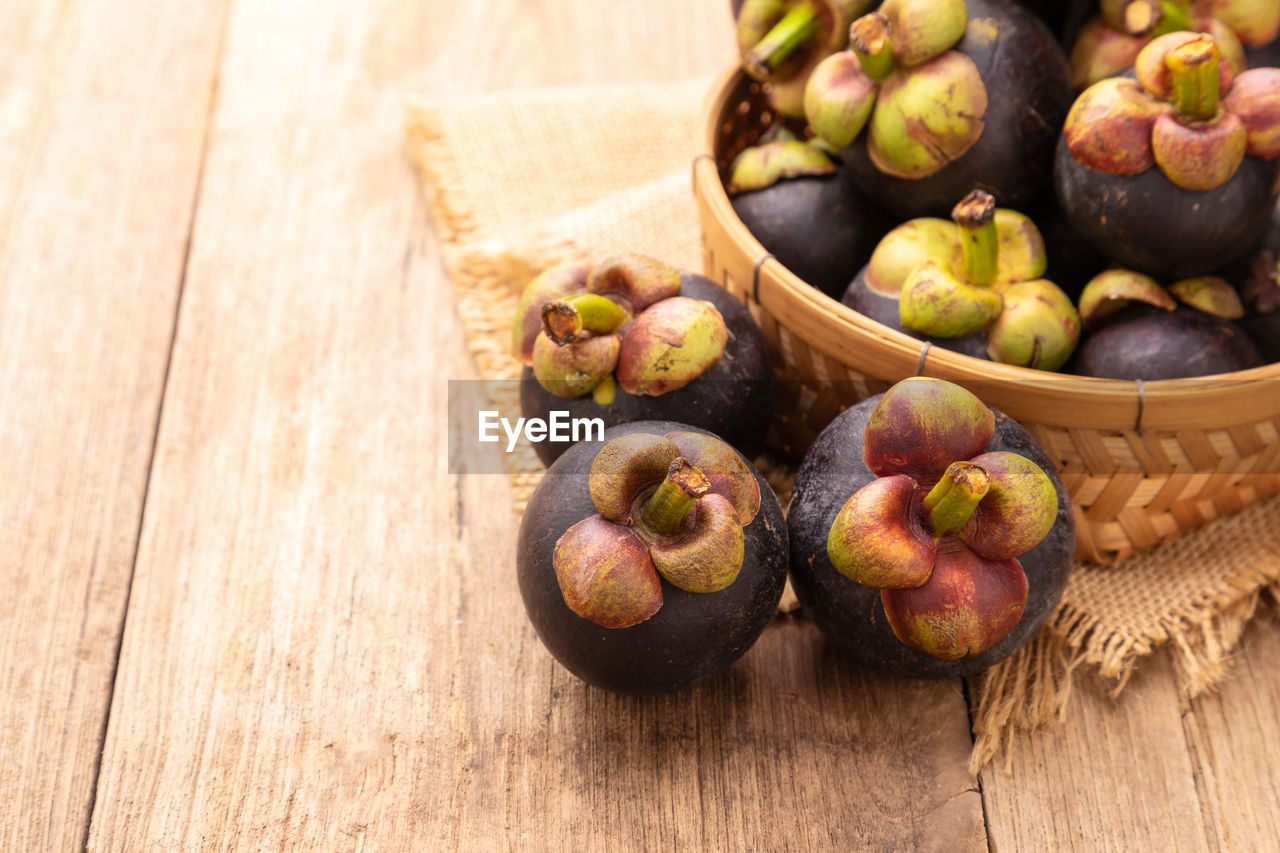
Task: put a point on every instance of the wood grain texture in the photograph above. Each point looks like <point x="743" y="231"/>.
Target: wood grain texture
<point x="325" y="646"/>
<point x="1234" y="740"/>
<point x="1118" y="777"/>
<point x="102" y="119"/>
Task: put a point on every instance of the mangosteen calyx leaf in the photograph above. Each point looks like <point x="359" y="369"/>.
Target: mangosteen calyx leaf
<point x="941" y="542"/>
<point x="670" y="507"/>
<point x="1188" y="113"/>
<point x="923" y="103"/>
<point x="620" y="322"/>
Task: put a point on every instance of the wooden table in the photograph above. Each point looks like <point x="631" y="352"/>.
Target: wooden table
<point x="245" y="604"/>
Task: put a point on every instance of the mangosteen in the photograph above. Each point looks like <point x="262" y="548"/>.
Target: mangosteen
<point x="652" y="559"/>
<point x="1109" y="43"/>
<point x="806" y="212"/>
<point x="1162" y="174"/>
<point x="954" y="94"/>
<point x="930" y="535"/>
<point x="1260" y="292"/>
<point x="1135" y="329"/>
<point x="973" y="285"/>
<point x="633" y="339"/>
<point x="781" y="41"/>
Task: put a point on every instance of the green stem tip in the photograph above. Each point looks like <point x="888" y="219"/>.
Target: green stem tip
<point x="870" y="39"/>
<point x="667" y="508"/>
<point x="1194" y="67"/>
<point x="975" y="216"/>
<point x="564" y="319"/>
<point x="1135" y="17"/>
<point x="1175" y="17"/>
<point x="796" y="28"/>
<point x="953" y="500"/>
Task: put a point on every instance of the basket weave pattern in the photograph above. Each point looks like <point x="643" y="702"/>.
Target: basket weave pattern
<point x="1142" y="463"/>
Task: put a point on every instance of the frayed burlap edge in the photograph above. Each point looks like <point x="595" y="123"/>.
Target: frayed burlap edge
<point x="1032" y="688"/>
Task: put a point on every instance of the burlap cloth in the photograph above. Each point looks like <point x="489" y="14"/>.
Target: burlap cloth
<point x="519" y="181"/>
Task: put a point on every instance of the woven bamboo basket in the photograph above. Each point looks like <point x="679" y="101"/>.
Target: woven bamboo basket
<point x="1143" y="462"/>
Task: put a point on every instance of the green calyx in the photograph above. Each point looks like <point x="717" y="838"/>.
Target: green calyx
<point x="838" y="99"/>
<point x="1113" y="290"/>
<point x="1210" y="294"/>
<point x="953" y="302"/>
<point x="952" y="501"/>
<point x="925" y="104"/>
<point x="934" y="301"/>
<point x="927" y="117"/>
<point x="762" y="166"/>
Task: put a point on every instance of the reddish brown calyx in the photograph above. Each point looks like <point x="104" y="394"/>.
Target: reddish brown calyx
<point x="1186" y="116"/>
<point x="948" y="534"/>
<point x="670" y="508"/>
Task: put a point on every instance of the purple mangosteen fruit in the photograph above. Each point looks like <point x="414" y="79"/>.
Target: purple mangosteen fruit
<point x="1260" y="294"/>
<point x="936" y="97"/>
<point x="1109" y="43"/>
<point x="804" y="210"/>
<point x="1174" y="173"/>
<point x="631" y="338"/>
<point x="652" y="559"/>
<point x="781" y="41"/>
<point x="930" y="535"/>
<point x="973" y="285"/>
<point x="1136" y="329"/>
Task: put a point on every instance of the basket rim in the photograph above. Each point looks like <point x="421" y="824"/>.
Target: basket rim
<point x="1051" y="399"/>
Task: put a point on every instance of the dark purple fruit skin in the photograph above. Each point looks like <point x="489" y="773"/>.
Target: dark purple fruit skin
<point x="733" y="398"/>
<point x="1263" y="328"/>
<point x="851" y="614"/>
<point x="1143" y="222"/>
<point x="693" y="636"/>
<point x="821" y="228"/>
<point x="1013" y="160"/>
<point x="1150" y="344"/>
<point x="1073" y="260"/>
<point x="1263" y="56"/>
<point x="885" y="310"/>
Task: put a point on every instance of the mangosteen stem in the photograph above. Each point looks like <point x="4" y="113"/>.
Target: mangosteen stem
<point x="1135" y="17"/>
<point x="952" y="501"/>
<point x="975" y="215"/>
<point x="667" y="508"/>
<point x="870" y="39"/>
<point x="564" y="319"/>
<point x="797" y="27"/>
<point x="1175" y="17"/>
<point x="1194" y="67"/>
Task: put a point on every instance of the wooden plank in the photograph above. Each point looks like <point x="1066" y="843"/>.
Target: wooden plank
<point x="102" y="120"/>
<point x="325" y="646"/>
<point x="1117" y="777"/>
<point x="1234" y="738"/>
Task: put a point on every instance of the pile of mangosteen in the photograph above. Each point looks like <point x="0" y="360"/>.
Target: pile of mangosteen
<point x="968" y="171"/>
<point x="1084" y="187"/>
